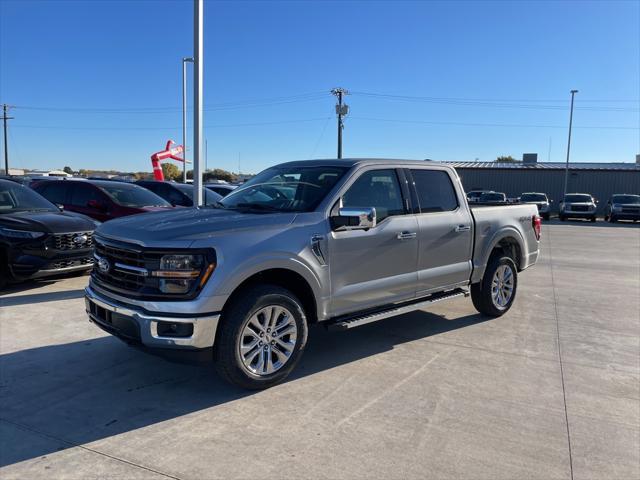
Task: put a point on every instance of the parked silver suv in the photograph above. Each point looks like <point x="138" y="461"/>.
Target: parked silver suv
<point x="337" y="242"/>
<point x="541" y="201"/>
<point x="578" y="205"/>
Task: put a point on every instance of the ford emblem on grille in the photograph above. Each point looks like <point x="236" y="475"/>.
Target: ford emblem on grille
<point x="103" y="265"/>
<point x="80" y="239"/>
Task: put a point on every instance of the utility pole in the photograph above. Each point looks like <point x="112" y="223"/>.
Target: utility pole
<point x="185" y="60"/>
<point x="341" y="110"/>
<point x="5" y="109"/>
<point x="198" y="44"/>
<point x="566" y="168"/>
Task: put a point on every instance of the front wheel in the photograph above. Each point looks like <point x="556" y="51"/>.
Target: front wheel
<point x="562" y="218"/>
<point x="261" y="337"/>
<point x="495" y="293"/>
<point x="593" y="219"/>
<point x="612" y="219"/>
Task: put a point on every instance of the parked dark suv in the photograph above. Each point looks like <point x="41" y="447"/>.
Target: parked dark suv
<point x="178" y="194"/>
<point x="37" y="239"/>
<point x="622" y="207"/>
<point x="101" y="199"/>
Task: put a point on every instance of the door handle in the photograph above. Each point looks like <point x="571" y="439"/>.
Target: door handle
<point x="463" y="228"/>
<point x="406" y="235"/>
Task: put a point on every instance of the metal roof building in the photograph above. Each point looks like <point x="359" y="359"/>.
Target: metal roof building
<point x="599" y="179"/>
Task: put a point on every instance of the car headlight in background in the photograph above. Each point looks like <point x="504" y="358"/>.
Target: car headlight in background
<point x="178" y="273"/>
<point x="8" y="232"/>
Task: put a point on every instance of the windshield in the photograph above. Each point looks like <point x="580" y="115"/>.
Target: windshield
<point x="210" y="197"/>
<point x="625" y="199"/>
<point x="578" y="198"/>
<point x="492" y="197"/>
<point x="285" y="189"/>
<point x="533" y="197"/>
<point x="133" y="195"/>
<point x="18" y="198"/>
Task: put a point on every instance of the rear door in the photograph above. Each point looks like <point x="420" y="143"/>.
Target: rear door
<point x="377" y="266"/>
<point x="90" y="201"/>
<point x="445" y="236"/>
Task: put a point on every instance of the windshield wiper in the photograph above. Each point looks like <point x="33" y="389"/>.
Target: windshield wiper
<point x="258" y="206"/>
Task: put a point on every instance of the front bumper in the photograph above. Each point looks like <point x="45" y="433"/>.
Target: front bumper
<point x="136" y="326"/>
<point x="581" y="214"/>
<point x="625" y="215"/>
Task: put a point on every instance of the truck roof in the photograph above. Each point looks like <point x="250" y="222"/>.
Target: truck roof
<point x="350" y="162"/>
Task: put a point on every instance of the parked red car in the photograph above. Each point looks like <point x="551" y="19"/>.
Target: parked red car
<point x="101" y="200"/>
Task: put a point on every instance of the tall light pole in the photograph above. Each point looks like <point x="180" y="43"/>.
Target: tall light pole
<point x="5" y="109"/>
<point x="185" y="60"/>
<point x="341" y="110"/>
<point x="198" y="43"/>
<point x="566" y="168"/>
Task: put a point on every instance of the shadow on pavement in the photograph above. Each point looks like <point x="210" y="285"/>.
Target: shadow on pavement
<point x="59" y="396"/>
<point x="41" y="297"/>
<point x="599" y="223"/>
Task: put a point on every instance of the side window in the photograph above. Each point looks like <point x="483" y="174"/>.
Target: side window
<point x="175" y="197"/>
<point x="55" y="192"/>
<point x="379" y="189"/>
<point x="81" y="194"/>
<point x="435" y="191"/>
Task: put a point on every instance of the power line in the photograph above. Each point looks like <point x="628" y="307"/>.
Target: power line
<point x="469" y="124"/>
<point x="493" y="103"/>
<point x="212" y="107"/>
<point x="228" y="125"/>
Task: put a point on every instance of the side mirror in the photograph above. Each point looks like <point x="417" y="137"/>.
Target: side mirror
<point x="350" y="218"/>
<point x="98" y="205"/>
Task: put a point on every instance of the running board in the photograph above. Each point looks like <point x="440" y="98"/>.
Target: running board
<point x="355" y="321"/>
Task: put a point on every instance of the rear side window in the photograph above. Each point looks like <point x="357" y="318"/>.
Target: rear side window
<point x="81" y="194"/>
<point x="55" y="192"/>
<point x="435" y="191"/>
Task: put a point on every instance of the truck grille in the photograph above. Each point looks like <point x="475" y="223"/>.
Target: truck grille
<point x="579" y="208"/>
<point x="119" y="278"/>
<point x="630" y="210"/>
<point x="72" y="241"/>
<point x="77" y="262"/>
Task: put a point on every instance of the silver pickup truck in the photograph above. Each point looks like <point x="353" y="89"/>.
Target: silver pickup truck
<point x="337" y="242"/>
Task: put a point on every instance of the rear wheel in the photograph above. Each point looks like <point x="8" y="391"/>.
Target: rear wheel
<point x="495" y="293"/>
<point x="261" y="337"/>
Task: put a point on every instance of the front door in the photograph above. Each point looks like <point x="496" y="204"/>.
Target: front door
<point x="374" y="267"/>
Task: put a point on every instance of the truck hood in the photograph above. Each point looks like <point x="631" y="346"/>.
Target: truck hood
<point x="50" y="222"/>
<point x="189" y="224"/>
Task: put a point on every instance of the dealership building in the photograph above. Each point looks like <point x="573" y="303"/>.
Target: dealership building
<point x="599" y="179"/>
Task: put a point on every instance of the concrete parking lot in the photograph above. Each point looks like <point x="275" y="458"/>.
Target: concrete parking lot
<point x="550" y="390"/>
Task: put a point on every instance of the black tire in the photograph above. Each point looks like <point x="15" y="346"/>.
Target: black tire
<point x="593" y="219"/>
<point x="612" y="219"/>
<point x="227" y="351"/>
<point x="481" y="292"/>
<point x="4" y="270"/>
<point x="546" y="216"/>
<point x="562" y="218"/>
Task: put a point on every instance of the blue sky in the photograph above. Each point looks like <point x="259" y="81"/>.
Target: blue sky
<point x="97" y="84"/>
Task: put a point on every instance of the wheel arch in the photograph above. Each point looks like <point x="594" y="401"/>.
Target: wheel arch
<point x="286" y="278"/>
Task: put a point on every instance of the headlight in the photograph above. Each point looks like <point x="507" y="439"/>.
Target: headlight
<point x="178" y="273"/>
<point x="8" y="232"/>
<point x="617" y="208"/>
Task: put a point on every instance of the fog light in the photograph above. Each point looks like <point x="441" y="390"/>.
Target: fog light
<point x="175" y="329"/>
